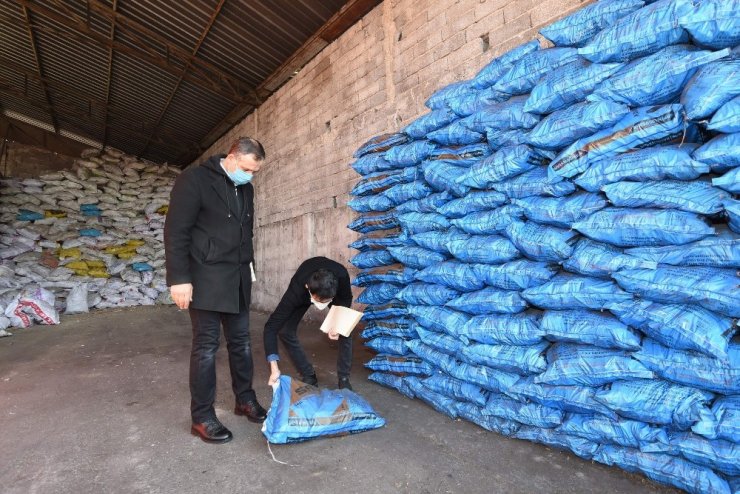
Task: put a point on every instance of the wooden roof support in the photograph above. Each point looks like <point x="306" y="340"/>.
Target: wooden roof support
<point x="40" y="70"/>
<point x="110" y="75"/>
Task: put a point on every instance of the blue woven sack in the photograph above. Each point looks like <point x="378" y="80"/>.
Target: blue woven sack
<point x="488" y="301"/>
<point x="488" y="222"/>
<point x="712" y="288"/>
<point x="392" y="381"/>
<point x="473" y="413"/>
<point x="721" y="153"/>
<point x="534" y="183"/>
<point x="439" y="319"/>
<point x="723" y="421"/>
<point x="406" y="192"/>
<point x="487" y="378"/>
<point x="574" y="399"/>
<point x="719" y="455"/>
<point x="453" y="274"/>
<point x="386" y="311"/>
<point x="426" y="294"/>
<point x="730" y="181"/>
<point x="378" y="293"/>
<point x="516" y="275"/>
<point x="369" y="204"/>
<point x="415" y="257"/>
<point x="388" y="345"/>
<point x="521" y="360"/>
<point x="410" y="154"/>
<point x="694" y="197"/>
<point x="560" y="211"/>
<point x="427" y="205"/>
<point x="713" y="23"/>
<point x="438" y="401"/>
<point x="722" y="251"/>
<point x="429" y="122"/>
<point x="381" y="143"/>
<point x="656" y="79"/>
<point x="566" y="291"/>
<point x="576" y="29"/>
<point x="532" y="414"/>
<point x="642" y="127"/>
<point x="470" y="103"/>
<point x="443" y="175"/>
<point x="542" y="243"/>
<point x="599" y="260"/>
<point x="505" y="163"/>
<point x="408" y="364"/>
<point x="712" y="86"/>
<point x="438" y="240"/>
<point x="479" y="200"/>
<point x="372" y="163"/>
<point x="367" y="223"/>
<point x="372" y="259"/>
<point x="463" y="154"/>
<point x="506" y="115"/>
<point x="504" y="329"/>
<point x="441" y="342"/>
<point x="727" y="118"/>
<point x="586" y="365"/>
<point x="496" y="68"/>
<point x="300" y="412"/>
<point x="589" y="328"/>
<point x="568" y="84"/>
<point x="655" y="401"/>
<point x="644" y="227"/>
<point x="529" y="69"/>
<point x="401" y="327"/>
<point x="603" y="430"/>
<point x="640" y="33"/>
<point x="423" y="222"/>
<point x="455" y="388"/>
<point x="486" y="249"/>
<point x="456" y="134"/>
<point x="438" y="100"/>
<point x="374" y="243"/>
<point x="579" y="446"/>
<point x="655" y="163"/>
<point x="566" y="126"/>
<point x="436" y="358"/>
<point x="732" y="210"/>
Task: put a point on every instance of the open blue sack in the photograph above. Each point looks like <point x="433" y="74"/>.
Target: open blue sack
<point x="489" y="222"/>
<point x="398" y="276"/>
<point x="488" y="301"/>
<point x="377" y="182"/>
<point x="372" y="259"/>
<point x="505" y="115"/>
<point x="453" y="274"/>
<point x="438" y="401"/>
<point x="505" y="163"/>
<point x="568" y="84"/>
<point x="532" y="414"/>
<point x="719" y="455"/>
<point x="569" y="364"/>
<point x="727" y="118"/>
<point x="577" y="28"/>
<point x="504" y="329"/>
<point x="388" y="345"/>
<point x="429" y="122"/>
<point x="521" y="360"/>
<point x="429" y="204"/>
<point x="300" y="412"/>
<point x="372" y="163"/>
<point x="415" y="257"/>
<point x="457" y="133"/>
<point x="369" y="204"/>
<point x="440" y="319"/>
<point x="642" y="127"/>
<point x="712" y="288"/>
<point x="474" y="413"/>
<point x="534" y="183"/>
<point x="599" y="260"/>
<point x="516" y="275"/>
<point x="408" y="364"/>
<point x="644" y="227"/>
<point x="392" y="381"/>
<point x="575" y="399"/>
<point x="529" y="69"/>
<point x="730" y="181"/>
<point x="603" y="430"/>
<point x="694" y="197"/>
<point x="485" y="249"/>
<point x="437" y="240"/>
<point x="492" y="72"/>
<point x="378" y="293"/>
<point x="566" y="126"/>
<point x="719" y="375"/>
<point x="409" y="154"/>
<point x="480" y="200"/>
<point x="438" y="99"/>
<point x="713" y="23"/>
<point x="656" y="401"/>
<point x="440" y="341"/>
<point x="721" y="153"/>
<point x="722" y="421"/>
<point x="381" y="143"/>
<point x="426" y="294"/>
<point x="541" y="243"/>
<point x="712" y="86"/>
<point x="443" y="175"/>
<point x="367" y="223"/>
<point x="423" y="222"/>
<point x="588" y="328"/>
<point x="654" y="163"/>
<point x="552" y="437"/>
<point x="665" y="469"/>
<point x="455" y="388"/>
<point x="566" y="291"/>
<point x="401" y="193"/>
<point x="722" y="251"/>
<point x="640" y="33"/>
<point x="560" y="211"/>
<point x="656" y="79"/>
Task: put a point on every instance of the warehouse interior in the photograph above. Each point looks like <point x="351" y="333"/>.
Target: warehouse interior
<point x="104" y="103"/>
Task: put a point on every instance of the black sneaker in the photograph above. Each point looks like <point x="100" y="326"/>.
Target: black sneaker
<point x="310" y="379"/>
<point x="344" y="383"/>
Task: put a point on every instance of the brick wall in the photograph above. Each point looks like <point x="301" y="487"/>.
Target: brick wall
<point x="373" y="79"/>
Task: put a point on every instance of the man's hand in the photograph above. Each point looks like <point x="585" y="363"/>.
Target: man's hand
<point x="182" y="294"/>
<point x="333" y="335"/>
<point x="274" y="374"/>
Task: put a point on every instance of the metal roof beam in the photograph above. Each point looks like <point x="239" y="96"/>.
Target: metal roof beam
<point x="110" y="74"/>
<point x="39" y="69"/>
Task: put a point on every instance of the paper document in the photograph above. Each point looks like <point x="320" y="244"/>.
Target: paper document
<point x="341" y="319"/>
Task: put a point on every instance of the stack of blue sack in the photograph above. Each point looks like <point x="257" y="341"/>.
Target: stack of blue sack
<point x="552" y="251"/>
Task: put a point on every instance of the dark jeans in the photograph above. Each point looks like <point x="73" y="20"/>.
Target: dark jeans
<point x="206" y="334"/>
<point x="288" y="334"/>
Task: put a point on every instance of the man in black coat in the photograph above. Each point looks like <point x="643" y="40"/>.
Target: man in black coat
<point x="209" y="255"/>
<point x="321" y="282"/>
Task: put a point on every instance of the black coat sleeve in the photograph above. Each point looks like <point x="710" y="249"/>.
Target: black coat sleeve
<point x="344" y="292"/>
<point x="182" y="215"/>
<point x="290" y="303"/>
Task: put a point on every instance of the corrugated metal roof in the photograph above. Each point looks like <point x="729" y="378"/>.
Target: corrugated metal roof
<point x="161" y="80"/>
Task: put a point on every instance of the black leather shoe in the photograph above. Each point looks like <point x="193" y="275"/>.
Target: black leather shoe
<point x="212" y="431"/>
<point x="252" y="410"/>
<point x="344" y="383"/>
<point x="311" y="379"/>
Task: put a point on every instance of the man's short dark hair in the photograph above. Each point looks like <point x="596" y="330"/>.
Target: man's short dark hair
<point x="247" y="145"/>
<point x="323" y="284"/>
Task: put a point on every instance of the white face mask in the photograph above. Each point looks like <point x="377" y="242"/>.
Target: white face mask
<point x="320" y="305"/>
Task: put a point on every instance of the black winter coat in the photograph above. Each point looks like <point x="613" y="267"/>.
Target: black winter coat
<point x="208" y="237"/>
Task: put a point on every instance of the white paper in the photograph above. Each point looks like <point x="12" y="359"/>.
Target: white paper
<point x="341" y="320"/>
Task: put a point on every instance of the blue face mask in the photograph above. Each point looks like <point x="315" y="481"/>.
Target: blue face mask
<point x="240" y="177"/>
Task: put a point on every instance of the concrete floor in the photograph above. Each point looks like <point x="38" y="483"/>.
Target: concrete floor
<point x="100" y="404"/>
